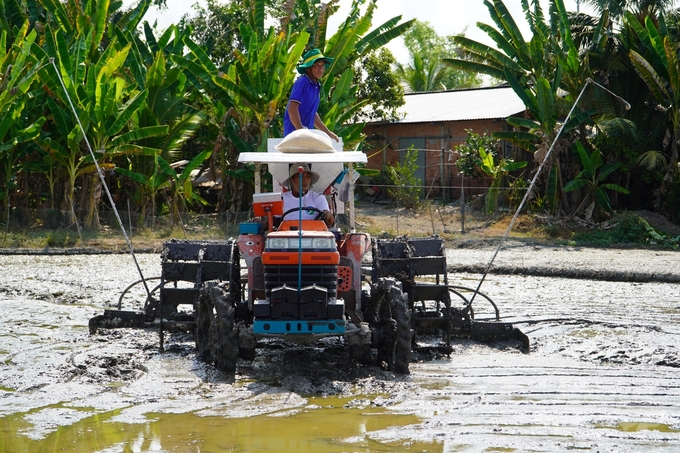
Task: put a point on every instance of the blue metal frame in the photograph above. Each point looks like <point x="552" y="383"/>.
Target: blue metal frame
<point x="299" y="327"/>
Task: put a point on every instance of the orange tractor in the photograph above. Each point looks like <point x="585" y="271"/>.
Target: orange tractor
<point x="304" y="281"/>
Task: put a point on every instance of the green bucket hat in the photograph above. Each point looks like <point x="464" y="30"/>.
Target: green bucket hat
<point x="310" y="57"/>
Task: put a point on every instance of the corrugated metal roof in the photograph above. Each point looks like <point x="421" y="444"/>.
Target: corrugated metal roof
<point x="460" y="105"/>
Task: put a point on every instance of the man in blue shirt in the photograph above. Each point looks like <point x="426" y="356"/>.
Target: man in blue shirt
<point x="305" y="95"/>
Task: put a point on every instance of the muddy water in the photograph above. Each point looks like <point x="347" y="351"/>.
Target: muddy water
<point x="601" y="375"/>
<point x="320" y="424"/>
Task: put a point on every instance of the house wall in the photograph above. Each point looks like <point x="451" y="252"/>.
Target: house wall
<point x="442" y="179"/>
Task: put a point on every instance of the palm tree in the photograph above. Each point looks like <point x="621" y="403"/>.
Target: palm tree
<point x="421" y="75"/>
<point x="425" y="71"/>
<point x="640" y="8"/>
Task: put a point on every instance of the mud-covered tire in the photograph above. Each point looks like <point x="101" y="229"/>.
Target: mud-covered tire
<point x="376" y="311"/>
<point x="204" y="316"/>
<point x="359" y="340"/>
<point x="390" y="320"/>
<point x="216" y="333"/>
<point x="386" y="341"/>
<point x="223" y="335"/>
<point x="404" y="334"/>
<point x="246" y="341"/>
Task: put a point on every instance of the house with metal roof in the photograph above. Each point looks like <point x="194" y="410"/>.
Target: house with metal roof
<point x="435" y="123"/>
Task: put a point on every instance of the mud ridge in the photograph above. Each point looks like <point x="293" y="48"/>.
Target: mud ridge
<point x="58" y="251"/>
<point x="580" y="274"/>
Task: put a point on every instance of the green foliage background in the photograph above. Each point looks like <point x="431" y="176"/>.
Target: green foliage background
<point x="152" y="106"/>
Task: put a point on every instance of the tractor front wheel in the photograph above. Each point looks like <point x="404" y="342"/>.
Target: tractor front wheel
<point x="390" y="319"/>
<point x="216" y="335"/>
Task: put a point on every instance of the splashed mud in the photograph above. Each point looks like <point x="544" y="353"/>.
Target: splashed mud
<point x="601" y="375"/>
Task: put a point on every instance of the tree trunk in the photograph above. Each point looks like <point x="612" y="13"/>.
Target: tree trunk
<point x="94" y="198"/>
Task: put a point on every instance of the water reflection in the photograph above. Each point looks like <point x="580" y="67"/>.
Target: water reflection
<point x="323" y="425"/>
<point x="641" y="426"/>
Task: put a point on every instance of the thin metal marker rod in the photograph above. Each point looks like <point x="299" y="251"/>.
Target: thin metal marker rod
<point x="526" y="194"/>
<point x="129" y="219"/>
<point x="300" y="232"/>
<point x="101" y="176"/>
<point x="625" y="103"/>
<point x="352" y="214"/>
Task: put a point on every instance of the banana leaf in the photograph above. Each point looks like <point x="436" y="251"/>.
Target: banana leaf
<point x="527" y="99"/>
<point x="182" y="131"/>
<point x="475" y="67"/>
<point x="100" y="13"/>
<point x="373" y="41"/>
<point x="523" y="122"/>
<point x="140" y="134"/>
<point x="545" y="100"/>
<point x="156" y="72"/>
<point x="126" y="111"/>
<point x="552" y="189"/>
<point x="654" y="82"/>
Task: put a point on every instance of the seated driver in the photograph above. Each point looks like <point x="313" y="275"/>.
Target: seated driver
<point x="310" y="199"/>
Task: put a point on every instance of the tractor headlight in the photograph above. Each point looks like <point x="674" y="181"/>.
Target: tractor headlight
<point x="304" y="243"/>
<point x="277" y="243"/>
<point x="294" y="243"/>
<point x="322" y="243"/>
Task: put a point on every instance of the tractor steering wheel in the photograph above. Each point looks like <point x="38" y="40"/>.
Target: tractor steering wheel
<point x="319" y="215"/>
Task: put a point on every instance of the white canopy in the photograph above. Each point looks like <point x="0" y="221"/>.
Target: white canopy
<point x="327" y="164"/>
<point x="291" y="158"/>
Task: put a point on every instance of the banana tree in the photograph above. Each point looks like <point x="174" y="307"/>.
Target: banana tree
<point x="104" y="101"/>
<point x="659" y="67"/>
<point x="497" y="171"/>
<point x="354" y="40"/>
<point x="151" y="185"/>
<point x="182" y="187"/>
<point x="18" y="70"/>
<point x="169" y="103"/>
<point x="247" y="98"/>
<point x="592" y="177"/>
<point x="530" y="68"/>
<point x="131" y="99"/>
<point x="259" y="79"/>
<point x="167" y="107"/>
<point x="535" y="70"/>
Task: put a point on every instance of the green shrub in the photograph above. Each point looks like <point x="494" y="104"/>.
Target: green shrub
<point x="60" y="238"/>
<point x="469" y="161"/>
<point x="629" y="229"/>
<point x="403" y="186"/>
<point x="518" y="189"/>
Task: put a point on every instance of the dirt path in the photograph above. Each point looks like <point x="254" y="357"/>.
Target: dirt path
<point x="601" y="375"/>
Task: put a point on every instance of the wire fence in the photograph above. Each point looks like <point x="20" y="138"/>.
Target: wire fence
<point x="26" y="220"/>
<point x="436" y="215"/>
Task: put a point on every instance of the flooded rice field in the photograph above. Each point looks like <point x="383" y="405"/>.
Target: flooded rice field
<point x="602" y="373"/>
